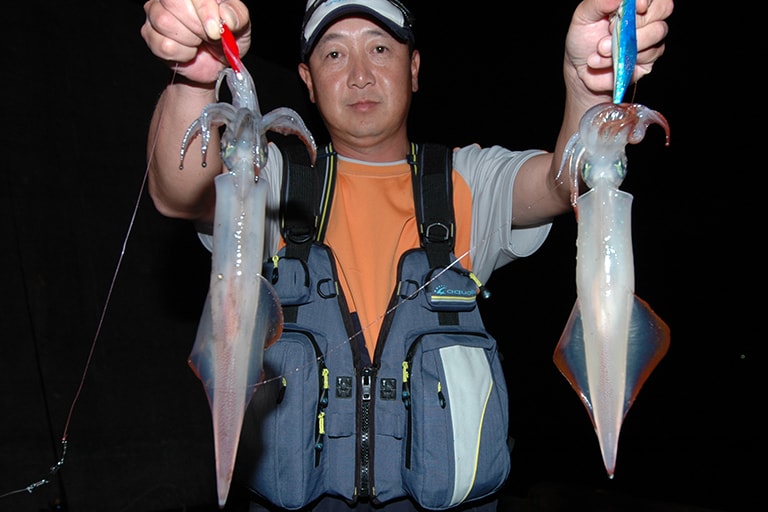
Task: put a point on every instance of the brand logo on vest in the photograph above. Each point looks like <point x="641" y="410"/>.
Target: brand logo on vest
<point x="442" y="290"/>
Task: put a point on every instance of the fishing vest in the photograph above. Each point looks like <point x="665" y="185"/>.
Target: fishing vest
<point x="427" y="417"/>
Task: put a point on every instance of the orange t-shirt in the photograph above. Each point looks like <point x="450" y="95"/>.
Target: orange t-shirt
<point x="372" y="223"/>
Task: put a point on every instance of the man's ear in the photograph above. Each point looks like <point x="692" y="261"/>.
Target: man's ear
<point x="415" y="65"/>
<point x="306" y="77"/>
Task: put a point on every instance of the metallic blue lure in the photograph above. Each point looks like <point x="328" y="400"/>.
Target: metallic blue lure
<point x="624" y="49"/>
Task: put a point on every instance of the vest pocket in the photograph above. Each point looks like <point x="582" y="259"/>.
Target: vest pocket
<point x="283" y="441"/>
<point x="457" y="415"/>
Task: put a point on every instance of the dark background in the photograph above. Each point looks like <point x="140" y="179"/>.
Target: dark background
<point x="101" y="294"/>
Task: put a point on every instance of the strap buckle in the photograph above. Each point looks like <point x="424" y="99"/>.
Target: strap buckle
<point x="437" y="232"/>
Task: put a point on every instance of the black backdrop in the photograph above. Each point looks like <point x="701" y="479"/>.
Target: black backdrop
<point x="86" y="322"/>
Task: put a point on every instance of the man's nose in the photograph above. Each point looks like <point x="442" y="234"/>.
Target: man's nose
<point x="360" y="74"/>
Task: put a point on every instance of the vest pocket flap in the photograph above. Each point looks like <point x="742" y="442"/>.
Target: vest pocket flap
<point x="391" y="425"/>
<point x="449" y="289"/>
<point x="290" y="278"/>
<point x="340" y="425"/>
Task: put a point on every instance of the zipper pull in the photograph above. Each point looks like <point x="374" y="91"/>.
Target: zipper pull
<point x="406" y="386"/>
<point x="319" y="442"/>
<point x="281" y="391"/>
<point x="275" y="259"/>
<point x="324" y="393"/>
<point x="440" y="396"/>
<point x="484" y="292"/>
<point x="365" y="382"/>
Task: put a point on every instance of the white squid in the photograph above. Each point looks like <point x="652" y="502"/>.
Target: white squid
<point x="613" y="340"/>
<point x="242" y="314"/>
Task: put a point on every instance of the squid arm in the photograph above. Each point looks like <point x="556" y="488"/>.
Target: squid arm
<point x="242" y="314"/>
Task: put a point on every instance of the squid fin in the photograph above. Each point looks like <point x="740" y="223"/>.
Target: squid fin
<point x="608" y="402"/>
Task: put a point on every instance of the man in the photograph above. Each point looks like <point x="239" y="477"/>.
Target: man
<point x="361" y="68"/>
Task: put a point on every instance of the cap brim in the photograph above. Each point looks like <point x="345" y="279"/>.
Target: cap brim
<point x="320" y="21"/>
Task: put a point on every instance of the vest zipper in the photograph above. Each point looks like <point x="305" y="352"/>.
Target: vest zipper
<point x="367" y="378"/>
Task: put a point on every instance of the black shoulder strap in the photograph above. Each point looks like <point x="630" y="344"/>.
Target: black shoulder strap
<point x="433" y="193"/>
<point x="305" y="197"/>
<point x="307" y="192"/>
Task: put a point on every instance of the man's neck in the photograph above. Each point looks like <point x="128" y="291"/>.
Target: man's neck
<point x="389" y="150"/>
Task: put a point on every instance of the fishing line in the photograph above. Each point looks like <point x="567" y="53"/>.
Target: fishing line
<point x="64" y="441"/>
<point x="35" y="345"/>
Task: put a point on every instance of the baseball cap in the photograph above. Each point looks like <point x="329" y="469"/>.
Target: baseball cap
<point x="319" y="14"/>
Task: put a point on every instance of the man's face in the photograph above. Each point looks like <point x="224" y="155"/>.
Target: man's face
<point x="361" y="79"/>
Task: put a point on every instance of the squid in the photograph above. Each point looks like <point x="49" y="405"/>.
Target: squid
<point x="612" y="340"/>
<point x="242" y="314"/>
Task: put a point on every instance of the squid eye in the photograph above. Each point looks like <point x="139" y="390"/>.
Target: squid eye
<point x="621" y="168"/>
<point x="227" y="152"/>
